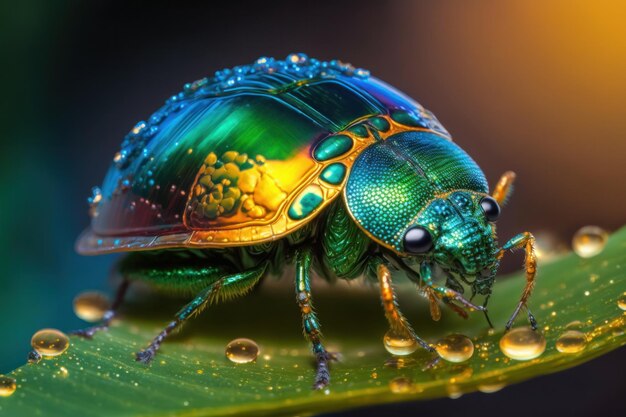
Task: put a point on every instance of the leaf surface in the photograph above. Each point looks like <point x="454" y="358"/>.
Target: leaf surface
<point x="192" y="377"/>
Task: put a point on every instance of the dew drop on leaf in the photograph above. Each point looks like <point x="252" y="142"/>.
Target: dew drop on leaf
<point x="50" y="342"/>
<point x="491" y="388"/>
<point x="7" y="386"/>
<point x="572" y="341"/>
<point x="91" y="306"/>
<point x="398" y="344"/>
<point x="401" y="385"/>
<point x="589" y="241"/>
<point x="242" y="350"/>
<point x="523" y="344"/>
<point x="455" y="348"/>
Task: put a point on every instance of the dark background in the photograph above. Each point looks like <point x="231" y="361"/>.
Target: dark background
<point x="536" y="87"/>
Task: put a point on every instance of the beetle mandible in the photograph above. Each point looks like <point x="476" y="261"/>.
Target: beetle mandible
<point x="307" y="162"/>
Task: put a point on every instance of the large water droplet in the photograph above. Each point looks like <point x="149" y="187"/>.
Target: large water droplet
<point x="455" y="348"/>
<point x="589" y="241"/>
<point x="7" y="386"/>
<point x="401" y="385"/>
<point x="242" y="350"/>
<point x="523" y="343"/>
<point x="572" y="341"/>
<point x="91" y="305"/>
<point x="50" y="342"/>
<point x="399" y="344"/>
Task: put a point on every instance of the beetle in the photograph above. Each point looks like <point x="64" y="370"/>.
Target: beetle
<point x="305" y="162"/>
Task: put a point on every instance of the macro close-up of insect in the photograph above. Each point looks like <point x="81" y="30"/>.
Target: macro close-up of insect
<point x="307" y="162"/>
<point x="332" y="209"/>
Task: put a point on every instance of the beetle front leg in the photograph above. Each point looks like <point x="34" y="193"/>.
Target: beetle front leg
<point x="310" y="324"/>
<point x="109" y="315"/>
<point x="444" y="293"/>
<point x="397" y="323"/>
<point x="527" y="241"/>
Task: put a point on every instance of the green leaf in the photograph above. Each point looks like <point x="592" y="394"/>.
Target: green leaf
<point x="192" y="377"/>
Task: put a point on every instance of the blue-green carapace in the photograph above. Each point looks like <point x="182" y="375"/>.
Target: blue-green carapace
<point x="305" y="162"/>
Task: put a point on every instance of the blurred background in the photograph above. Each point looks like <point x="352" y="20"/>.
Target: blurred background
<point x="536" y="87"/>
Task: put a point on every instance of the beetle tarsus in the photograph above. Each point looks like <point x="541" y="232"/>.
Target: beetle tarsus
<point x="88" y="332"/>
<point x="145" y="356"/>
<point x="532" y="320"/>
<point x="322" y="374"/>
<point x="433" y="362"/>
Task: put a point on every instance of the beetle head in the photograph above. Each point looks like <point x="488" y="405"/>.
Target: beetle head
<point x="457" y="232"/>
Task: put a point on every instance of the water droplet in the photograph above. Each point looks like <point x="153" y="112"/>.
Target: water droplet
<point x="621" y="302"/>
<point x="63" y="372"/>
<point x="548" y="246"/>
<point x="242" y="350"/>
<point x="401" y="385"/>
<point x="491" y="388"/>
<point x="50" y="342"/>
<point x="523" y="343"/>
<point x="455" y="348"/>
<point x="589" y="241"/>
<point x="91" y="306"/>
<point x="454" y="392"/>
<point x="576" y="324"/>
<point x="7" y="386"/>
<point x="572" y="341"/>
<point x="399" y="363"/>
<point x="398" y="344"/>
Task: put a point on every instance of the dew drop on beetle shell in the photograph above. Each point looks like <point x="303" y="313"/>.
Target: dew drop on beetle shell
<point x="398" y="344"/>
<point x="572" y="341"/>
<point x="7" y="386"/>
<point x="91" y="306"/>
<point x="621" y="302"/>
<point x="50" y="342"/>
<point x="523" y="344"/>
<point x="242" y="350"/>
<point x="455" y="348"/>
<point x="589" y="241"/>
<point x="401" y="385"/>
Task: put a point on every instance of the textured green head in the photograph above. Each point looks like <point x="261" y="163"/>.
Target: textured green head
<point x="421" y="196"/>
<point x="456" y="232"/>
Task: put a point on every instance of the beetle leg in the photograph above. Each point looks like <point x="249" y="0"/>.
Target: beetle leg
<point x="446" y="294"/>
<point x="109" y="315"/>
<point x="223" y="288"/>
<point x="504" y="188"/>
<point x="527" y="241"/>
<point x="397" y="323"/>
<point x="310" y="324"/>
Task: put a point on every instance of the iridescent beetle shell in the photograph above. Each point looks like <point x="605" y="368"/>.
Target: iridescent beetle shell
<point x="256" y="152"/>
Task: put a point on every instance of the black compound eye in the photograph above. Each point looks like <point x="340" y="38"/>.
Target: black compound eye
<point x="490" y="208"/>
<point x="417" y="240"/>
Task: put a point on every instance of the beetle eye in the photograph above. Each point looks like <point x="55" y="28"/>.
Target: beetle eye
<point x="417" y="240"/>
<point x="490" y="208"/>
